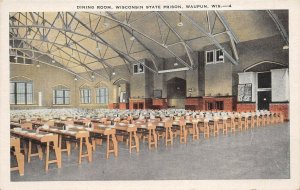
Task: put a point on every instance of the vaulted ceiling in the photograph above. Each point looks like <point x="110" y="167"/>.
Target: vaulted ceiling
<point x="91" y="41"/>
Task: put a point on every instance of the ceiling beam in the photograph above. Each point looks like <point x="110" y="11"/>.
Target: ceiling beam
<point x="186" y="46"/>
<point x="279" y="26"/>
<point x="146" y="36"/>
<point x="59" y="66"/>
<point x="141" y="43"/>
<point x="121" y="54"/>
<point x="211" y="37"/>
<point x="227" y="26"/>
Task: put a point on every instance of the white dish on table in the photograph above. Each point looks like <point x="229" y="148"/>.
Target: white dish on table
<point x="49" y="134"/>
<point x="143" y="126"/>
<point x="79" y="127"/>
<point x="63" y="131"/>
<point x="40" y="136"/>
<point x="54" y="129"/>
<point x="72" y="132"/>
<point x="89" y="129"/>
<point x="23" y="132"/>
<point x="31" y="133"/>
<point x="17" y="129"/>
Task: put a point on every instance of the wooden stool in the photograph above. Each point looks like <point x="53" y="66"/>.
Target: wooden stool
<point x="84" y="135"/>
<point x="111" y="135"/>
<point x="183" y="131"/>
<point x="152" y="137"/>
<point x="30" y="154"/>
<point x="133" y="138"/>
<point x="168" y="132"/>
<point x="232" y="123"/>
<point x="15" y="143"/>
<point x="224" y="125"/>
<point x="206" y="128"/>
<point x="195" y="129"/>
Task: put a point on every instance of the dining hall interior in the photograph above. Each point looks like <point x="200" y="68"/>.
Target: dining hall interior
<point x="149" y="95"/>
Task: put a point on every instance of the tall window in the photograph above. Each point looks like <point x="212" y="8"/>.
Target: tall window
<point x="21" y="93"/>
<point x="85" y="96"/>
<point x="102" y="95"/>
<point x="61" y="96"/>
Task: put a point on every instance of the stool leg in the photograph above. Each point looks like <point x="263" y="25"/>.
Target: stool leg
<point x="107" y="146"/>
<point x="29" y="152"/>
<point x="80" y="150"/>
<point x="47" y="157"/>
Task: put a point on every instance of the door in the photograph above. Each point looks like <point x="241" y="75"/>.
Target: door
<point x="263" y="100"/>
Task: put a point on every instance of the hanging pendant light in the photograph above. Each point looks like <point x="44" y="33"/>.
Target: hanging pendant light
<point x="180" y="23"/>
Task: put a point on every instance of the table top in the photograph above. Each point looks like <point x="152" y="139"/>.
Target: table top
<point x="31" y="134"/>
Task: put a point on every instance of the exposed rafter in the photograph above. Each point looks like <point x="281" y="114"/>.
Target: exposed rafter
<point x="211" y="37"/>
<point x="148" y="37"/>
<point x="121" y="54"/>
<point x="279" y="26"/>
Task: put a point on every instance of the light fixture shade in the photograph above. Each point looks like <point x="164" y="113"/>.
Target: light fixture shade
<point x="113" y="73"/>
<point x="221" y="57"/>
<point x="180" y="24"/>
<point x="285" y="47"/>
<point x="75" y="78"/>
<point x="132" y="38"/>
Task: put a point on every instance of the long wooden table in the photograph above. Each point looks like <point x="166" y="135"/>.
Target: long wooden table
<point x="47" y="138"/>
<point x="150" y="128"/>
<point x="81" y="135"/>
<point x="131" y="130"/>
<point x="110" y="133"/>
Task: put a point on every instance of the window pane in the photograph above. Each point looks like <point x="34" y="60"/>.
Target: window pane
<point x="209" y="57"/>
<point x="141" y="68"/>
<point x="67" y="100"/>
<point x="67" y="93"/>
<point x="29" y="87"/>
<point x="218" y="54"/>
<point x="12" y="98"/>
<point x="29" y="98"/>
<point x="20" y="98"/>
<point x="135" y="68"/>
<point x="59" y="93"/>
<point x="20" y="87"/>
<point x="12" y="87"/>
<point x="59" y="101"/>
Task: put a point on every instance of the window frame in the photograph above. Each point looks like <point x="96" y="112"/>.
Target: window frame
<point x="139" y="66"/>
<point x="206" y="53"/>
<point x="64" y="97"/>
<point x="98" y="95"/>
<point x="26" y="93"/>
<point x="215" y="59"/>
<point x="83" y="98"/>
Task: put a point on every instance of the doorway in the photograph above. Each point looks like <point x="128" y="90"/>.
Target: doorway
<point x="263" y="100"/>
<point x="176" y="92"/>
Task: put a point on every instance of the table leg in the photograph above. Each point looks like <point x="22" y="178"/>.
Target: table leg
<point x="40" y="152"/>
<point x="107" y="146"/>
<point x="89" y="149"/>
<point x="29" y="151"/>
<point x="137" y="144"/>
<point x="80" y="150"/>
<point x="47" y="157"/>
<point x="115" y="143"/>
